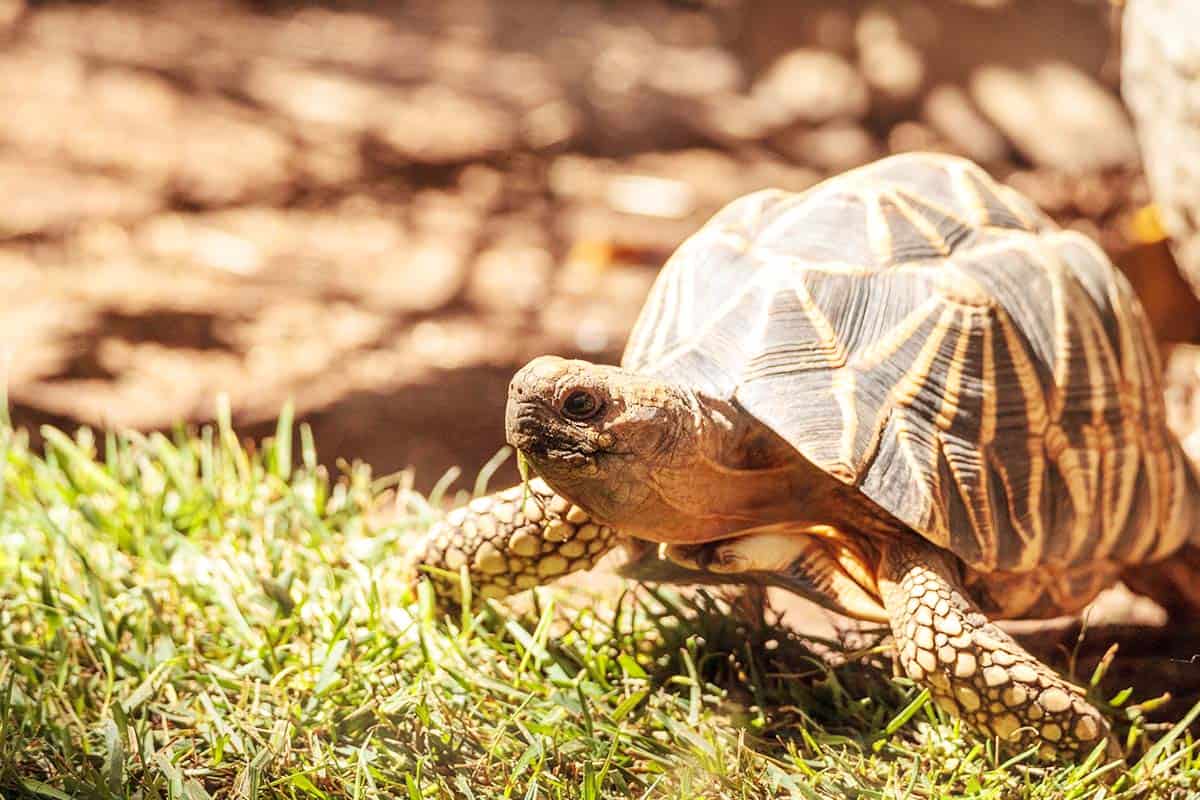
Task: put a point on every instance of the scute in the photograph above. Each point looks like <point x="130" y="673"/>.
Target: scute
<point x="931" y="338"/>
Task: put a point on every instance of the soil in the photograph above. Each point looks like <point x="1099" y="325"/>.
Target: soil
<point x="381" y="210"/>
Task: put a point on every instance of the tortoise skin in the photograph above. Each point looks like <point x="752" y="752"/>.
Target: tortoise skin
<point x="927" y="336"/>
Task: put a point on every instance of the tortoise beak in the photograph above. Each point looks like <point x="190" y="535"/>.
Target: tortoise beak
<point x="525" y="417"/>
<point x="522" y="428"/>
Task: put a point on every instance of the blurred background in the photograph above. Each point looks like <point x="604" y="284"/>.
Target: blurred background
<point x="382" y="209"/>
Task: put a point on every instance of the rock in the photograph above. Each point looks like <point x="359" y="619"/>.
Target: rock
<point x="43" y="200"/>
<point x="1057" y="116"/>
<point x="1048" y="189"/>
<point x="1160" y="78"/>
<point x="731" y="119"/>
<point x="908" y="136"/>
<point x="1181" y="382"/>
<point x="694" y="72"/>
<point x="891" y="66"/>
<point x="650" y="196"/>
<point x="950" y="112"/>
<point x="510" y="277"/>
<point x="552" y="124"/>
<point x="226" y="156"/>
<point x="810" y="86"/>
<point x="311" y="96"/>
<point x="417" y="280"/>
<point x="834" y="147"/>
<point x="894" y="68"/>
<point x="438" y="125"/>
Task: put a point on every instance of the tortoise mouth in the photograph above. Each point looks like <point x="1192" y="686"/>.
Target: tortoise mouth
<point x="535" y="429"/>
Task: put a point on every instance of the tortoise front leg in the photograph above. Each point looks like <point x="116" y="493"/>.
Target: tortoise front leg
<point x="972" y="667"/>
<point x="509" y="541"/>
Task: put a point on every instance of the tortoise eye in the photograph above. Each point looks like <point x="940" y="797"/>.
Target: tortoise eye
<point x="580" y="406"/>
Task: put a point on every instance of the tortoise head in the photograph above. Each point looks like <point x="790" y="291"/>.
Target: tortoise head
<point x="597" y="433"/>
<point x="653" y="459"/>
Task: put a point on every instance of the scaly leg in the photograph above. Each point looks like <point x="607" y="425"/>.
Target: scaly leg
<point x="526" y="536"/>
<point x="509" y="541"/>
<point x="972" y="667"/>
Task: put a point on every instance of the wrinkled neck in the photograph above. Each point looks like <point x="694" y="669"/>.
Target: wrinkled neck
<point x="728" y="474"/>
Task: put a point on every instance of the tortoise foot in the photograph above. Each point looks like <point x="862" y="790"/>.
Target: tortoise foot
<point x="974" y="669"/>
<point x="510" y="541"/>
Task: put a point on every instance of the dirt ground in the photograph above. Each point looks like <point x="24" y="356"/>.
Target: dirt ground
<point x="380" y="210"/>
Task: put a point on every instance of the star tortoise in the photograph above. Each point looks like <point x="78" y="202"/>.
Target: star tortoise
<point x="904" y="393"/>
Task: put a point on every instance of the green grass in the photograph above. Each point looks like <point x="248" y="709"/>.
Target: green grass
<point x="184" y="617"/>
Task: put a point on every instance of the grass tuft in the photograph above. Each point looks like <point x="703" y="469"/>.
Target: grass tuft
<point x="185" y="617"/>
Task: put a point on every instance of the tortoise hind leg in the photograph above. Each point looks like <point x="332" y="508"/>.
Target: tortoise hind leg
<point x="973" y="668"/>
<point x="1173" y="583"/>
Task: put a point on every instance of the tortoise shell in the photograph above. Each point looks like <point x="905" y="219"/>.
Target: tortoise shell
<point x="926" y="335"/>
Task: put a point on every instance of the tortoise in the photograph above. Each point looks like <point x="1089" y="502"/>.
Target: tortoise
<point x="904" y="393"/>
